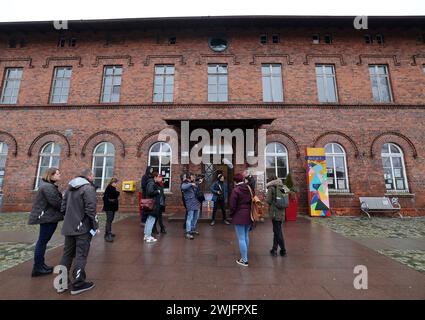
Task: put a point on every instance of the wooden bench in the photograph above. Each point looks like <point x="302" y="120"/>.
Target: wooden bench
<point x="380" y="204"/>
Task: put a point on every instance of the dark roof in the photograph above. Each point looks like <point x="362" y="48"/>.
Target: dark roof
<point x="224" y="21"/>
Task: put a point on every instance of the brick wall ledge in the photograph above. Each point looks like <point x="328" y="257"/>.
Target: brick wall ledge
<point x="400" y="194"/>
<point x="341" y="194"/>
<point x="390" y="106"/>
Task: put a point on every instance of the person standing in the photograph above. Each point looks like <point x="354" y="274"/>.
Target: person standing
<point x="161" y="207"/>
<point x="188" y="188"/>
<point x="45" y="212"/>
<point x="276" y="188"/>
<point x="240" y="211"/>
<point x="201" y="198"/>
<point x="80" y="225"/>
<point x="144" y="183"/>
<point x="110" y="206"/>
<point x="152" y="192"/>
<point x="219" y="190"/>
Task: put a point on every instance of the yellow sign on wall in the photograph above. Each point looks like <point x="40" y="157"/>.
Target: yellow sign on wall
<point x="129" y="186"/>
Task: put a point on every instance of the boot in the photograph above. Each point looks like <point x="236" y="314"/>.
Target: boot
<point x="109" y="238"/>
<point x="40" y="271"/>
<point x="163" y="231"/>
<point x="45" y="266"/>
<point x="155" y="230"/>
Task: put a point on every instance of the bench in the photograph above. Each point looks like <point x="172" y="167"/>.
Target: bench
<point x="380" y="204"/>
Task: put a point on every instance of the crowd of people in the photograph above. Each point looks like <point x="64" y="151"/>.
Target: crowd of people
<point x="77" y="207"/>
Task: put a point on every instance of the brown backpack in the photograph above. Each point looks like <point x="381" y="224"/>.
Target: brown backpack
<point x="256" y="207"/>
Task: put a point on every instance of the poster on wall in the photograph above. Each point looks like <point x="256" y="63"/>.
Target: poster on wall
<point x="318" y="195"/>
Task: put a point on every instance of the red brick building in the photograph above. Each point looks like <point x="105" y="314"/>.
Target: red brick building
<point x="98" y="93"/>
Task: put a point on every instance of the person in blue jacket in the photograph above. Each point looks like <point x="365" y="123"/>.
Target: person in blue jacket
<point x="189" y="189"/>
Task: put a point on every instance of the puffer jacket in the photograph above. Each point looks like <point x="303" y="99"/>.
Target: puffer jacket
<point x="275" y="213"/>
<point x="189" y="192"/>
<point x="79" y="207"/>
<point x="240" y="205"/>
<point x="47" y="204"/>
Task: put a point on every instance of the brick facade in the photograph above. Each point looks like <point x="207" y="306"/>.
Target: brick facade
<point x="356" y="122"/>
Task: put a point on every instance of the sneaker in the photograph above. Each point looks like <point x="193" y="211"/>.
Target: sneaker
<point x="151" y="240"/>
<point x="195" y="233"/>
<point x="273" y="253"/>
<point x="212" y="223"/>
<point x="242" y="263"/>
<point x="40" y="271"/>
<point x="282" y="253"/>
<point x="226" y="222"/>
<point x="85" y="286"/>
<point x="109" y="238"/>
<point x="145" y="238"/>
<point x="189" y="236"/>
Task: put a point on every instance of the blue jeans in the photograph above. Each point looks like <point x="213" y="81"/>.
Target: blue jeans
<point x="191" y="214"/>
<point x="46" y="232"/>
<point x="150" y="221"/>
<point x="242" y="232"/>
<point x="194" y="220"/>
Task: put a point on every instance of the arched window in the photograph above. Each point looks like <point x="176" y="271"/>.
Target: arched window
<point x="160" y="160"/>
<point x="3" y="157"/>
<point x="336" y="165"/>
<point x="103" y="164"/>
<point x="49" y="157"/>
<point x="394" y="169"/>
<point x="276" y="161"/>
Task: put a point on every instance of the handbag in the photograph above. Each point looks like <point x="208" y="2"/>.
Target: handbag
<point x="256" y="207"/>
<point x="147" y="204"/>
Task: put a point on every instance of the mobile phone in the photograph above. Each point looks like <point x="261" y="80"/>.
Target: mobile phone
<point x="93" y="232"/>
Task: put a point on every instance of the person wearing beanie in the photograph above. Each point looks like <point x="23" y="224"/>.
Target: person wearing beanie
<point x="240" y="211"/>
<point x="219" y="191"/>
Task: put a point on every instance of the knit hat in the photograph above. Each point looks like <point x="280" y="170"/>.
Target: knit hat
<point x="238" y="178"/>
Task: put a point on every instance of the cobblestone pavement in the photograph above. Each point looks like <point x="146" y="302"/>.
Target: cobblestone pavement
<point x="399" y="239"/>
<point x="14" y="226"/>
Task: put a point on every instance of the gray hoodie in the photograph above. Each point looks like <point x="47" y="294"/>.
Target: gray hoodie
<point x="79" y="207"/>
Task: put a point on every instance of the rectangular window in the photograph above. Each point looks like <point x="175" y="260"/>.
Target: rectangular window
<point x="263" y="39"/>
<point x="368" y="39"/>
<point x="316" y="39"/>
<point x="111" y="84"/>
<point x="217" y="83"/>
<point x="328" y="38"/>
<point x="275" y="38"/>
<point x="272" y="82"/>
<point x="380" y="81"/>
<point x="326" y="83"/>
<point x="11" y="84"/>
<point x="60" y="85"/>
<point x="164" y="83"/>
<point x="379" y="39"/>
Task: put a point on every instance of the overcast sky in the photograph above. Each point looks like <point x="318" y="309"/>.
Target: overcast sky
<point x="36" y="10"/>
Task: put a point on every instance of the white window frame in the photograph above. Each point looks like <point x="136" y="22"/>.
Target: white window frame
<point x="104" y="155"/>
<point x="216" y="76"/>
<point x="398" y="155"/>
<point x="64" y="91"/>
<point x="163" y="77"/>
<point x="325" y="76"/>
<point x="269" y="78"/>
<point x="3" y="153"/>
<point x="113" y="76"/>
<point x="45" y="154"/>
<point x="15" y="87"/>
<point x="275" y="155"/>
<point x="379" y="77"/>
<point x="160" y="154"/>
<point x="334" y="154"/>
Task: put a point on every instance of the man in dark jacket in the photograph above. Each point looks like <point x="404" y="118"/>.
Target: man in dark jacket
<point x="219" y="190"/>
<point x="80" y="224"/>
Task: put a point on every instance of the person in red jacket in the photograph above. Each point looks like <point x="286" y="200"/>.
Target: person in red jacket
<point x="240" y="211"/>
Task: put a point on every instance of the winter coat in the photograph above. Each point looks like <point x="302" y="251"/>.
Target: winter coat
<point x="189" y="192"/>
<point x="275" y="213"/>
<point x="110" y="199"/>
<point x="47" y="204"/>
<point x="219" y="186"/>
<point x="79" y="207"/>
<point x="240" y="205"/>
<point x="153" y="191"/>
<point x="146" y="177"/>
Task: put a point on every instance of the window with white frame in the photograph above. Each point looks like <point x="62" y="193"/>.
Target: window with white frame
<point x="394" y="168"/>
<point x="111" y="87"/>
<point x="103" y="164"/>
<point x="11" y="84"/>
<point x="163" y="83"/>
<point x="276" y="161"/>
<point x="217" y="83"/>
<point x="326" y="83"/>
<point x="3" y="157"/>
<point x="380" y="81"/>
<point x="336" y="167"/>
<point x="60" y="85"/>
<point x="160" y="161"/>
<point x="49" y="158"/>
<point x="272" y="82"/>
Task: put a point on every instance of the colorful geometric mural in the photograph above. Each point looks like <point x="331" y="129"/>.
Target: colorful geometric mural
<point x="318" y="196"/>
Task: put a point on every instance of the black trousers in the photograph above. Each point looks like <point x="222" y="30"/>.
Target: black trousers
<point x="77" y="247"/>
<point x="159" y="219"/>
<point x="278" y="235"/>
<point x="221" y="204"/>
<point x="110" y="215"/>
